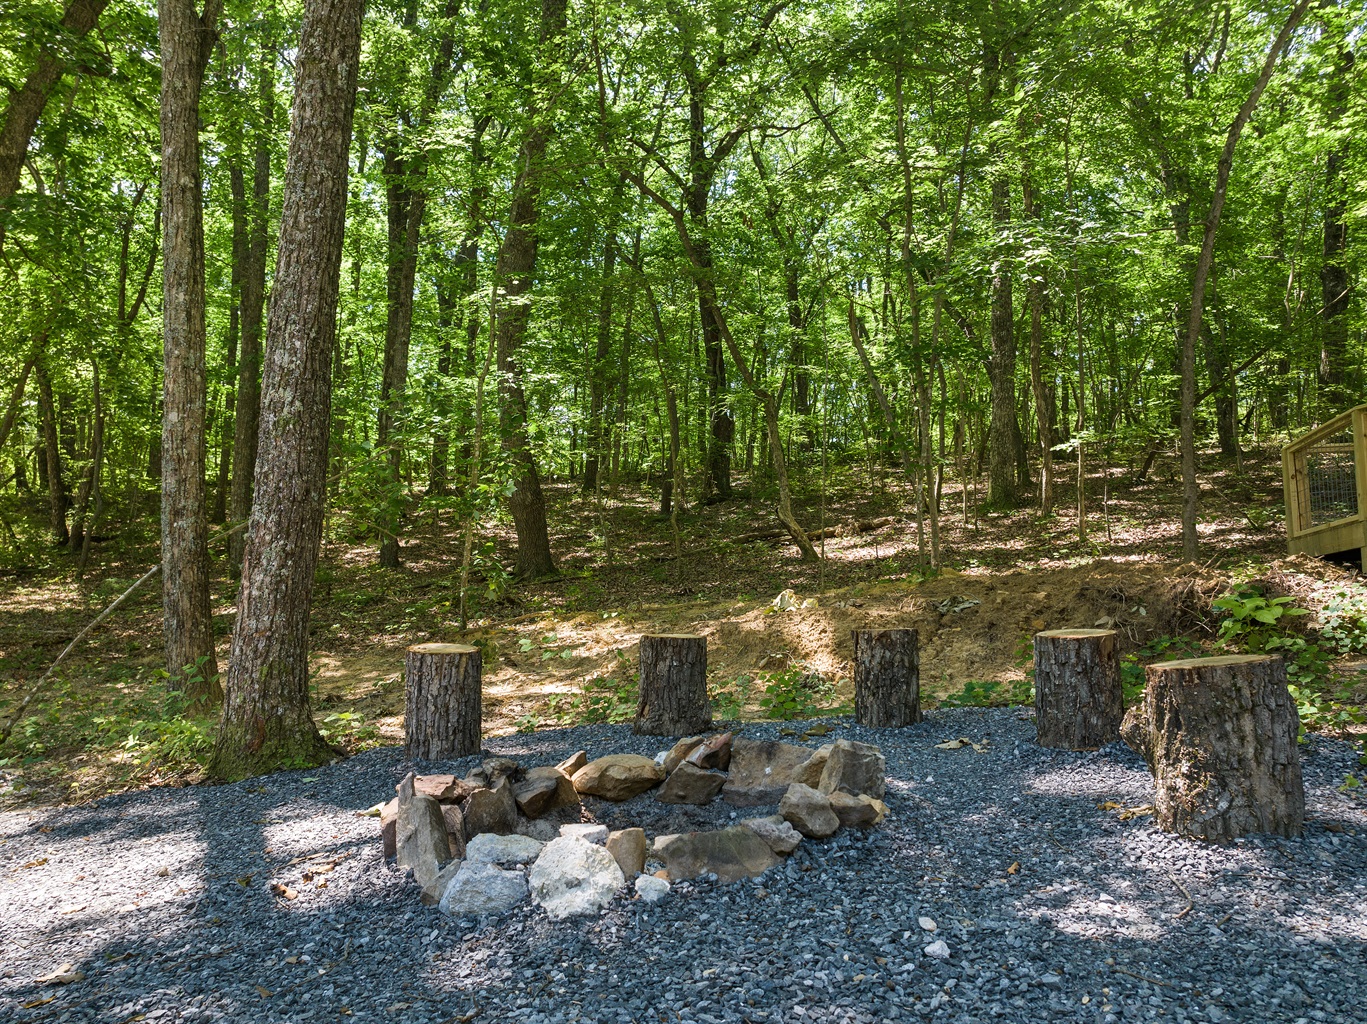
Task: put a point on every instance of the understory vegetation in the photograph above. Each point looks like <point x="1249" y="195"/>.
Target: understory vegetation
<point x="329" y="328"/>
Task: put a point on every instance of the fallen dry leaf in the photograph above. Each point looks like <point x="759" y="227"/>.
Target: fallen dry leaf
<point x="961" y="742"/>
<point x="65" y="975"/>
<point x="36" y="863"/>
<point x="1014" y="868"/>
<point x="38" y="1002"/>
<point x="283" y="891"/>
<point x="264" y="993"/>
<point x="1126" y="813"/>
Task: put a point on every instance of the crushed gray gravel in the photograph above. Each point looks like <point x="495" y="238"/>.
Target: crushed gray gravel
<point x="1050" y="908"/>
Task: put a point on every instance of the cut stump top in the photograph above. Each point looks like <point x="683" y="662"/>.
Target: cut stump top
<point x="443" y="649"/>
<point x="1217" y="662"/>
<point x="671" y="636"/>
<point x="1076" y="633"/>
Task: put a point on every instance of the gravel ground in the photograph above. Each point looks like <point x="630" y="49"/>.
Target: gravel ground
<point x="163" y="899"/>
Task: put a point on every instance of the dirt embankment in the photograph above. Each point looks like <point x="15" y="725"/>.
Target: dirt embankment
<point x="973" y="625"/>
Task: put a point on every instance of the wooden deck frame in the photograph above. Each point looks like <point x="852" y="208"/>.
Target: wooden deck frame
<point x="1341" y="534"/>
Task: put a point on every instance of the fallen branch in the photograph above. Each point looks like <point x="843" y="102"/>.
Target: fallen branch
<point x="118" y="601"/>
<point x="1190" y="903"/>
<point x="845" y="530"/>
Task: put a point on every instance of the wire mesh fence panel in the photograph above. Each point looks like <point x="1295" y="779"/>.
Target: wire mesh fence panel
<point x="1332" y="479"/>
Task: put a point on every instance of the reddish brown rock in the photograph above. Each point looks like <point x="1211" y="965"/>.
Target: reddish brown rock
<point x="491" y="810"/>
<point x="389" y="816"/>
<point x="713" y="752"/>
<point x="681" y="749"/>
<point x="445" y="788"/>
<point x="455" y="830"/>
<point x="545" y="790"/>
<point x="574" y="762"/>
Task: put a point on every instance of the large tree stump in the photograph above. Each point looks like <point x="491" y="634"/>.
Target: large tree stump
<point x="1078" y="698"/>
<point x="673" y="690"/>
<point x="442" y="719"/>
<point x="887" y="678"/>
<point x="1219" y="735"/>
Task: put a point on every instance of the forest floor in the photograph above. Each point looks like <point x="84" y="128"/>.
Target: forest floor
<point x="562" y="650"/>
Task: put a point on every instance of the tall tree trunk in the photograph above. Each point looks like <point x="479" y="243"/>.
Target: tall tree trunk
<point x="623" y="382"/>
<point x="797" y="329"/>
<point x="92" y="492"/>
<point x="515" y="266"/>
<point x="1003" y="436"/>
<point x="858" y="332"/>
<point x="239" y="256"/>
<point x="16" y="397"/>
<point x="186" y="42"/>
<point x="1038" y="388"/>
<point x="266" y="720"/>
<point x="405" y="206"/>
<point x="1190" y="491"/>
<point x="52" y="458"/>
<point x="247" y="408"/>
<point x="593" y="446"/>
<point x="449" y="311"/>
<point x="1001" y="365"/>
<point x="26" y="104"/>
<point x="1336" y="291"/>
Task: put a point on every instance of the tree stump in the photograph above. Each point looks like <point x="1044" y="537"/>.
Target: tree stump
<point x="673" y="690"/>
<point x="887" y="678"/>
<point x="1078" y="699"/>
<point x="442" y="718"/>
<point x="1219" y="735"/>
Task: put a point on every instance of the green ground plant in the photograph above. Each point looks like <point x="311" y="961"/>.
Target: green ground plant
<point x="1255" y="624"/>
<point x="795" y="693"/>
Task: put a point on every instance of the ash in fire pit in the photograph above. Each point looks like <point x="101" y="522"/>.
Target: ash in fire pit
<point x="573" y="836"/>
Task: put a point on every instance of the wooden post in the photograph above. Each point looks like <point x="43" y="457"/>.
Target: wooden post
<point x="1359" y="427"/>
<point x="673" y="689"/>
<point x="887" y="678"/>
<point x="1078" y="699"/>
<point x="1219" y="735"/>
<point x="442" y="718"/>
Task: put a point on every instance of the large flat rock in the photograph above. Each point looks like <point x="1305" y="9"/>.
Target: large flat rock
<point x="762" y="770"/>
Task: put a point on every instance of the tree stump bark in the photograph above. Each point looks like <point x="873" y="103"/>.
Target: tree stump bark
<point x="1219" y="735"/>
<point x="887" y="678"/>
<point x="1078" y="698"/>
<point x="673" y="689"/>
<point x="442" y="718"/>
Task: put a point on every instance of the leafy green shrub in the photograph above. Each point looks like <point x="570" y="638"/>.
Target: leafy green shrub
<point x="1256" y="625"/>
<point x="349" y="730"/>
<point x="797" y="693"/>
<point x="600" y="699"/>
<point x="1163" y="648"/>
<point x="991" y="693"/>
<point x="1343" y="621"/>
<point x="730" y="698"/>
<point x="1252" y="620"/>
